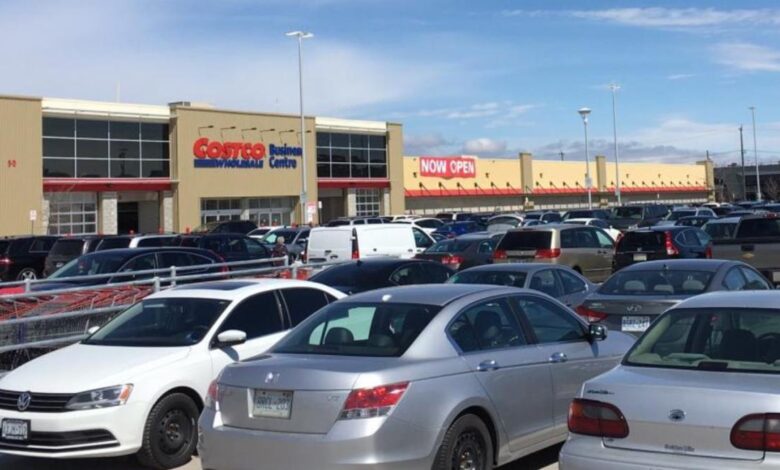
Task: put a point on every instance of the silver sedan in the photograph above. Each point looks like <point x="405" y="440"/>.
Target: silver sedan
<point x="698" y="390"/>
<point x="417" y="377"/>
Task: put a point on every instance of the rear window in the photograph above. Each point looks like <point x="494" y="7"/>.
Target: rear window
<point x="338" y="223"/>
<point x="359" y="329"/>
<point x="112" y="243"/>
<point x="525" y="240"/>
<point x="289" y="236"/>
<point x="683" y="282"/>
<point x="511" y="221"/>
<point x="755" y="228"/>
<point x="498" y="278"/>
<point x="627" y="213"/>
<point x="645" y="241"/>
<point x="720" y="231"/>
<point x="679" y="214"/>
<point x="67" y="247"/>
<point x="713" y="339"/>
<point x="449" y="246"/>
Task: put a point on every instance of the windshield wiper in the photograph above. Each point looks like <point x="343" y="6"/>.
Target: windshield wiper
<point x="713" y="365"/>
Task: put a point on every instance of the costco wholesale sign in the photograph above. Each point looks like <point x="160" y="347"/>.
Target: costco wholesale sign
<point x="448" y="167"/>
<point x="215" y="154"/>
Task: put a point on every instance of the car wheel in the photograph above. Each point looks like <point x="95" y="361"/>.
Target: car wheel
<point x="466" y="446"/>
<point x="27" y="274"/>
<point x="171" y="433"/>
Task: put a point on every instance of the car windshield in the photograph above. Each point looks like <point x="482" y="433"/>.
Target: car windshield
<point x="89" y="265"/>
<point x="627" y="213"/>
<point x="359" y="329"/>
<point x="678" y="214"/>
<point x="720" y="231"/>
<point x="160" y="323"/>
<point x="271" y="237"/>
<point x="112" y="243"/>
<point x="511" y="221"/>
<point x="338" y="223"/>
<point x="71" y="247"/>
<point x="712" y="339"/>
<point x="578" y="215"/>
<point x="449" y="246"/>
<point x="498" y="278"/>
<point x="657" y="282"/>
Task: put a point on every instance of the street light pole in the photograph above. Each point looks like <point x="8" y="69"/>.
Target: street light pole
<point x="755" y="155"/>
<point x="588" y="183"/>
<point x="301" y="35"/>
<point x="614" y="87"/>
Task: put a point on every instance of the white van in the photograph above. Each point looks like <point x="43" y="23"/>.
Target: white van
<point x="365" y="241"/>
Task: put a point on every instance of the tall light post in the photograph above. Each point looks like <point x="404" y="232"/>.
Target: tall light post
<point x="301" y="35"/>
<point x="755" y="155"/>
<point x="615" y="87"/>
<point x="584" y="112"/>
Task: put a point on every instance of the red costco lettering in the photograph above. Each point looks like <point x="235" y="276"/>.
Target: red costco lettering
<point x="199" y="147"/>
<point x="203" y="148"/>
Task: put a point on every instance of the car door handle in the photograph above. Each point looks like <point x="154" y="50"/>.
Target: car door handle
<point x="485" y="366"/>
<point x="558" y="357"/>
<point x="327" y="252"/>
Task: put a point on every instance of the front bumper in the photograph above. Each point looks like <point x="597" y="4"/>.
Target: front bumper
<point x="589" y="453"/>
<point x="103" y="432"/>
<point x="373" y="443"/>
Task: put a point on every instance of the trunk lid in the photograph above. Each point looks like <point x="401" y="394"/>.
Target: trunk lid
<point x="686" y="412"/>
<point x="631" y="315"/>
<point x="317" y="388"/>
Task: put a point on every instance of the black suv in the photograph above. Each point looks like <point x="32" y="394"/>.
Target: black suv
<point x="229" y="246"/>
<point x="629" y="217"/>
<point x="655" y="243"/>
<point x="23" y="258"/>
<point x="227" y="226"/>
<point x="69" y="248"/>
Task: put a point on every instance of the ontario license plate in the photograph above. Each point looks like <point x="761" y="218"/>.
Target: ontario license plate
<point x="272" y="404"/>
<point x="640" y="257"/>
<point x="15" y="430"/>
<point x="635" y="323"/>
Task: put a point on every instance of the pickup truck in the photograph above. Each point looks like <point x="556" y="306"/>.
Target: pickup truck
<point x="756" y="241"/>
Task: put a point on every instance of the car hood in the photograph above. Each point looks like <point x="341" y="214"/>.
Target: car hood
<point x="82" y="367"/>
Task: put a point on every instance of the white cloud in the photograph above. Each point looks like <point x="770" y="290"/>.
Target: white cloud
<point x="748" y="57"/>
<point x="426" y="144"/>
<point x="680" y="76"/>
<point x="484" y="146"/>
<point x="680" y="17"/>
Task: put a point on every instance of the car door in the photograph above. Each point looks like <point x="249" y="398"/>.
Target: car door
<point x="234" y="248"/>
<point x="435" y="273"/>
<point x="422" y="240"/>
<point x="514" y="374"/>
<point x="546" y="281"/>
<point x="300" y="302"/>
<point x="692" y="246"/>
<point x="755" y="281"/>
<point x="484" y="253"/>
<point x="579" y="249"/>
<point x="260" y="317"/>
<point x="574" y="289"/>
<point x="606" y="253"/>
<point x="563" y="342"/>
<point x="144" y="262"/>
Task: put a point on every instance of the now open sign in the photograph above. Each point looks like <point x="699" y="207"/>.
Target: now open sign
<point x="448" y="167"/>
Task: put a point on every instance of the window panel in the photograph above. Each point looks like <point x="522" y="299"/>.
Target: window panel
<point x="123" y="149"/>
<point x="154" y="131"/>
<point x="340" y="171"/>
<point x="323" y="170"/>
<point x="59" y="148"/>
<point x="92" y="129"/>
<point x="360" y="171"/>
<point x="358" y="141"/>
<point x="91" y="148"/>
<point x="358" y="156"/>
<point x="377" y="141"/>
<point x="154" y="150"/>
<point x="323" y="155"/>
<point x="125" y="169"/>
<point x="59" y="168"/>
<point x="339" y="155"/>
<point x="92" y="168"/>
<point x="378" y="171"/>
<point x="339" y="140"/>
<point x="378" y="156"/>
<point x="323" y="139"/>
<point x="125" y="130"/>
<point x="155" y="169"/>
<point x="59" y="127"/>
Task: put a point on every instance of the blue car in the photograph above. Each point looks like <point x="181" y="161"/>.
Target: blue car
<point x="454" y="229"/>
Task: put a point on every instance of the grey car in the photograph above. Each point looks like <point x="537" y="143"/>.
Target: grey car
<point x="295" y="239"/>
<point x="559" y="282"/>
<point x="697" y="391"/>
<point x="449" y="376"/>
<point x="634" y="296"/>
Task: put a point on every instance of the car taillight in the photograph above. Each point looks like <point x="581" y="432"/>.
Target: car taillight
<point x="708" y="252"/>
<point x="499" y="254"/>
<point x="671" y="250"/>
<point x="546" y="253"/>
<point x="452" y="261"/>
<point x="592" y="316"/>
<point x="617" y="242"/>
<point x="6" y="262"/>
<point x="212" y="395"/>
<point x="355" y="248"/>
<point x="596" y="418"/>
<point x="373" y="402"/>
<point x="757" y="432"/>
<point x="304" y="256"/>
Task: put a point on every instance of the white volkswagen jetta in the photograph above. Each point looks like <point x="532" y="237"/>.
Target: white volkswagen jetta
<point x="137" y="384"/>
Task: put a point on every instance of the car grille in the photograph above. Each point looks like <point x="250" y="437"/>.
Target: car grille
<point x="54" y="441"/>
<point x="40" y="402"/>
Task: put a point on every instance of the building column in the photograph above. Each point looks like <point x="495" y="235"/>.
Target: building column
<point x="44" y="215"/>
<point x="386" y="209"/>
<point x="166" y="211"/>
<point x="709" y="178"/>
<point x="601" y="181"/>
<point x="527" y="179"/>
<point x="351" y="200"/>
<point x="108" y="213"/>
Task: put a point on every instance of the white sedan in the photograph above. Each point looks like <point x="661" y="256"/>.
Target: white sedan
<point x="426" y="224"/>
<point x="602" y="224"/>
<point x="137" y="385"/>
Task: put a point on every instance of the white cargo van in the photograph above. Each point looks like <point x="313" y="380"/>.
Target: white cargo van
<point x="365" y="241"/>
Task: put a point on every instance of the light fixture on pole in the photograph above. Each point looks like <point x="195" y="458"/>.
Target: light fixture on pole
<point x="615" y="87"/>
<point x="584" y="112"/>
<point x="755" y="155"/>
<point x="300" y="36"/>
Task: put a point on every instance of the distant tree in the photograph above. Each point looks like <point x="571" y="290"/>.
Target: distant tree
<point x="771" y="188"/>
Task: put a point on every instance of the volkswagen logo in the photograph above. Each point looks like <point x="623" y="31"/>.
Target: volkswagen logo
<point x="634" y="308"/>
<point x="23" y="402"/>
<point x="271" y="377"/>
<point x="676" y="415"/>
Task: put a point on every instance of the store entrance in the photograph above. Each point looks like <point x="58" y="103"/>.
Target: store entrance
<point x="127" y="217"/>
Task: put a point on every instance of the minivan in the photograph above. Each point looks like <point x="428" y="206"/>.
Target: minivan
<point x="628" y="217"/>
<point x="586" y="249"/>
<point x="364" y="241"/>
<point x="69" y="248"/>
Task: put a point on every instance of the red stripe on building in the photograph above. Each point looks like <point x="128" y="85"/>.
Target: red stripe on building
<point x="106" y="184"/>
<point x="462" y="192"/>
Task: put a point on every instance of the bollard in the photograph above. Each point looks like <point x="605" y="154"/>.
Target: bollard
<point x="173" y="276"/>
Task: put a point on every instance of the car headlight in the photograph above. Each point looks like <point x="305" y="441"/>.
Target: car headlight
<point x="101" y="398"/>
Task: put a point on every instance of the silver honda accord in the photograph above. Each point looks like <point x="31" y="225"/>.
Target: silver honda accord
<point x="698" y="390"/>
<point x="418" y="377"/>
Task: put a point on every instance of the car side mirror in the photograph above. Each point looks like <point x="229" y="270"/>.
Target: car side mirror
<point x="230" y="338"/>
<point x="597" y="332"/>
<point x="92" y="330"/>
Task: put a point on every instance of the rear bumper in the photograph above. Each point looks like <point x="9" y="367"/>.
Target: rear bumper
<point x="589" y="453"/>
<point x="374" y="443"/>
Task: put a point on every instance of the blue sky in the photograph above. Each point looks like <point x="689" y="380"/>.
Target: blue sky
<point x="490" y="78"/>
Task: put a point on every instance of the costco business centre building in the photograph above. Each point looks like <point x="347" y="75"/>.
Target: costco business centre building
<point x="72" y="166"/>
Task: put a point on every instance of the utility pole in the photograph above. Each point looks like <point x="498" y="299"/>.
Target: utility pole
<point x="561" y="154"/>
<point x="755" y="155"/>
<point x="614" y="87"/>
<point x="742" y="156"/>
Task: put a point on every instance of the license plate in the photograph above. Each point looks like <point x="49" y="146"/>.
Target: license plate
<point x="635" y="323"/>
<point x="272" y="404"/>
<point x="640" y="257"/>
<point x="15" y="430"/>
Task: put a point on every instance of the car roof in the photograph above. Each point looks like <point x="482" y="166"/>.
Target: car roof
<point x="428" y="294"/>
<point x="725" y="220"/>
<point x="731" y="299"/>
<point x="233" y="289"/>
<point x="516" y="267"/>
<point x="662" y="228"/>
<point x="681" y="264"/>
<point x="475" y="236"/>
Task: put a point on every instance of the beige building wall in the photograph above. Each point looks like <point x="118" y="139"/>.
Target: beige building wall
<point x="396" y="168"/>
<point x="192" y="184"/>
<point x="638" y="175"/>
<point x="21" y="188"/>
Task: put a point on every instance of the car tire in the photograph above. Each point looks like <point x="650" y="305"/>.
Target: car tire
<point x="27" y="273"/>
<point x="466" y="445"/>
<point x="170" y="433"/>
